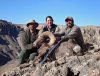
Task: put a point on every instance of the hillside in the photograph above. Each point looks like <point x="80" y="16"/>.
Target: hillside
<point x="86" y="65"/>
<point x="9" y="48"/>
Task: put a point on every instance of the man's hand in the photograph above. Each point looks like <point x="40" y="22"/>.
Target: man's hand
<point x="34" y="44"/>
<point x="63" y="38"/>
<point x="37" y="44"/>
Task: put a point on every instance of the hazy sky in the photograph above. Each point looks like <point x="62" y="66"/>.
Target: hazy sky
<point x="84" y="12"/>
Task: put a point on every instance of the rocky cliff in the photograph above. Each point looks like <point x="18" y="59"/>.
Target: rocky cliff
<point x="9" y="47"/>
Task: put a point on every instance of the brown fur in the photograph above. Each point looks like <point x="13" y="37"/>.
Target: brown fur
<point x="43" y="46"/>
<point x="66" y="48"/>
<point x="42" y="50"/>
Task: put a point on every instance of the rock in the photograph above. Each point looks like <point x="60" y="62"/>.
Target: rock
<point x="9" y="48"/>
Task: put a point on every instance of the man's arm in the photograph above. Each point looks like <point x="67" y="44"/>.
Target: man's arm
<point x="22" y="41"/>
<point x="72" y="33"/>
<point x="59" y="33"/>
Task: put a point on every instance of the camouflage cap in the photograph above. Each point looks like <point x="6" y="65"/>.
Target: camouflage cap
<point x="32" y="22"/>
<point x="69" y="18"/>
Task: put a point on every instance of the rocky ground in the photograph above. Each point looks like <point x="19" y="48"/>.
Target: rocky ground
<point x="86" y="65"/>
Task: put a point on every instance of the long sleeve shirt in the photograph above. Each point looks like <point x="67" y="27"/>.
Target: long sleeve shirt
<point x="72" y="33"/>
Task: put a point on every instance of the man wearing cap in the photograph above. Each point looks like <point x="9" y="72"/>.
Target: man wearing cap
<point x="26" y="42"/>
<point x="72" y="33"/>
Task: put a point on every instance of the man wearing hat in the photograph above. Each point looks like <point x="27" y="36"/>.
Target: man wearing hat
<point x="72" y="32"/>
<point x="26" y="42"/>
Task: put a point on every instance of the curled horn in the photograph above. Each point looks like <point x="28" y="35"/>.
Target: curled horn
<point x="48" y="34"/>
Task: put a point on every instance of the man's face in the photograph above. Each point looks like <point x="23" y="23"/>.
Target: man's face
<point x="32" y="27"/>
<point x="49" y="22"/>
<point x="69" y="23"/>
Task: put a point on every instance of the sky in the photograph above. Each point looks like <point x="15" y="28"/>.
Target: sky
<point x="84" y="12"/>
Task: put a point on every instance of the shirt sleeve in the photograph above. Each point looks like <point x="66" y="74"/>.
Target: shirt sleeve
<point x="73" y="33"/>
<point x="22" y="41"/>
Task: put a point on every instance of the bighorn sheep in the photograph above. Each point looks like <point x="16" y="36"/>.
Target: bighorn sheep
<point x="43" y="49"/>
<point x="65" y="49"/>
